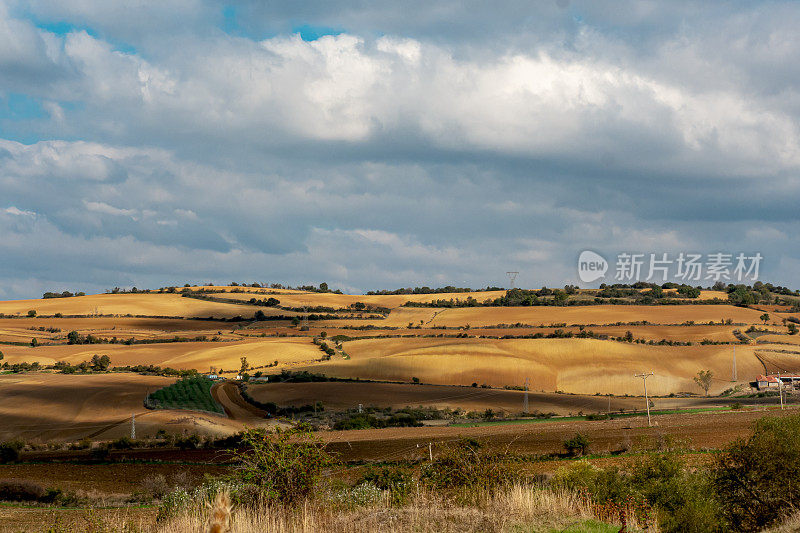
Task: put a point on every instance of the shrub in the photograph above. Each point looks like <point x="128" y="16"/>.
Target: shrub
<point x="465" y="465"/>
<point x="284" y="465"/>
<point x="398" y="481"/>
<point x="685" y="501"/>
<point x="9" y="451"/>
<point x="758" y="479"/>
<point x="602" y="485"/>
<point x="577" y="445"/>
<point x="18" y="490"/>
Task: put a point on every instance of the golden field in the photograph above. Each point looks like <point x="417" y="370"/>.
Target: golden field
<point x="180" y="355"/>
<point x="310" y="299"/>
<point x="154" y="304"/>
<point x="583" y="366"/>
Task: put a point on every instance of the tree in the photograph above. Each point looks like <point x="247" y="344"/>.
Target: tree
<point x="792" y="329"/>
<point x="764" y="318"/>
<point x="73" y="337"/>
<point x="34" y="342"/>
<point x="703" y="380"/>
<point x="323" y="287"/>
<point x="32" y="313"/>
<point x="259" y="316"/>
<point x="100" y="363"/>
<point x="1" y="356"/>
<point x="245" y="366"/>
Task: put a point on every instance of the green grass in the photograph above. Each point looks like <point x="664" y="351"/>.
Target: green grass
<point x="192" y="393"/>
<point x="653" y="412"/>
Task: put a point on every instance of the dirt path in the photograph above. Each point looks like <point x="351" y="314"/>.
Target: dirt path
<point x="227" y="395"/>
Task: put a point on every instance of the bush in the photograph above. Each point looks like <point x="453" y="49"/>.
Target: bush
<point x="9" y="451"/>
<point x="285" y="465"/>
<point x="577" y="445"/>
<point x="602" y="485"/>
<point x="18" y="490"/>
<point x="758" y="479"/>
<point x="398" y="481"/>
<point x="465" y="465"/>
<point x="684" y="500"/>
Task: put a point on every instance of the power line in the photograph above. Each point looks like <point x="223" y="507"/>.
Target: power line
<point x="512" y="276"/>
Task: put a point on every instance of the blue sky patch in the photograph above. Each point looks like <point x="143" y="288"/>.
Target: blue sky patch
<point x="312" y="33"/>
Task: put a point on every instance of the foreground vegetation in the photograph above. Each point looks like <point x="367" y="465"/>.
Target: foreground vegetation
<point x="288" y="481"/>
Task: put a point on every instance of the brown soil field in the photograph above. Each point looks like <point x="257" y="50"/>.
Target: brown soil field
<point x="130" y="304"/>
<point x="43" y="407"/>
<point x="583" y="366"/>
<point x="347" y="395"/>
<point x="699" y="431"/>
<point x="180" y="355"/>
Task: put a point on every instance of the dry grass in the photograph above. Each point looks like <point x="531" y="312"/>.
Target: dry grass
<point x="517" y="507"/>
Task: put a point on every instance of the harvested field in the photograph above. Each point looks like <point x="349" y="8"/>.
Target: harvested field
<point x="584" y="366"/>
<point x="169" y="305"/>
<point x="99" y="406"/>
<point x="311" y="299"/>
<point x="180" y="355"/>
<point x="594" y="314"/>
<point x="347" y="395"/>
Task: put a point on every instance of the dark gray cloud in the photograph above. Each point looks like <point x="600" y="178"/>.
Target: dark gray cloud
<point x="194" y="141"/>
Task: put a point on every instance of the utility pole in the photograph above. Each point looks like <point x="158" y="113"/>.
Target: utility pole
<point x="430" y="450"/>
<point x="133" y="426"/>
<point x="646" y="399"/>
<point x="525" y="399"/>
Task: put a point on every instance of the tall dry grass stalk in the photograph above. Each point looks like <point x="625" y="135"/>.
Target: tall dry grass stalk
<point x="220" y="519"/>
<point x="505" y="509"/>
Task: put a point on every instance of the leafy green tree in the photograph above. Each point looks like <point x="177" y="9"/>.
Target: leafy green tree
<point x="34" y="342"/>
<point x="32" y="313"/>
<point x="764" y="318"/>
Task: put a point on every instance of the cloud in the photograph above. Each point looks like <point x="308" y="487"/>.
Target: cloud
<point x="448" y="144"/>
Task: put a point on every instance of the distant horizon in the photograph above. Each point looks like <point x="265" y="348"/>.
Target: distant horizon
<point x="332" y="289"/>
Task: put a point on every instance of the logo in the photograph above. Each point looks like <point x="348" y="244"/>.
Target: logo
<point x="591" y="266"/>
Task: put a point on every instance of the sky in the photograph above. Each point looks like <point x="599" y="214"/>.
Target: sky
<point x="375" y="145"/>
